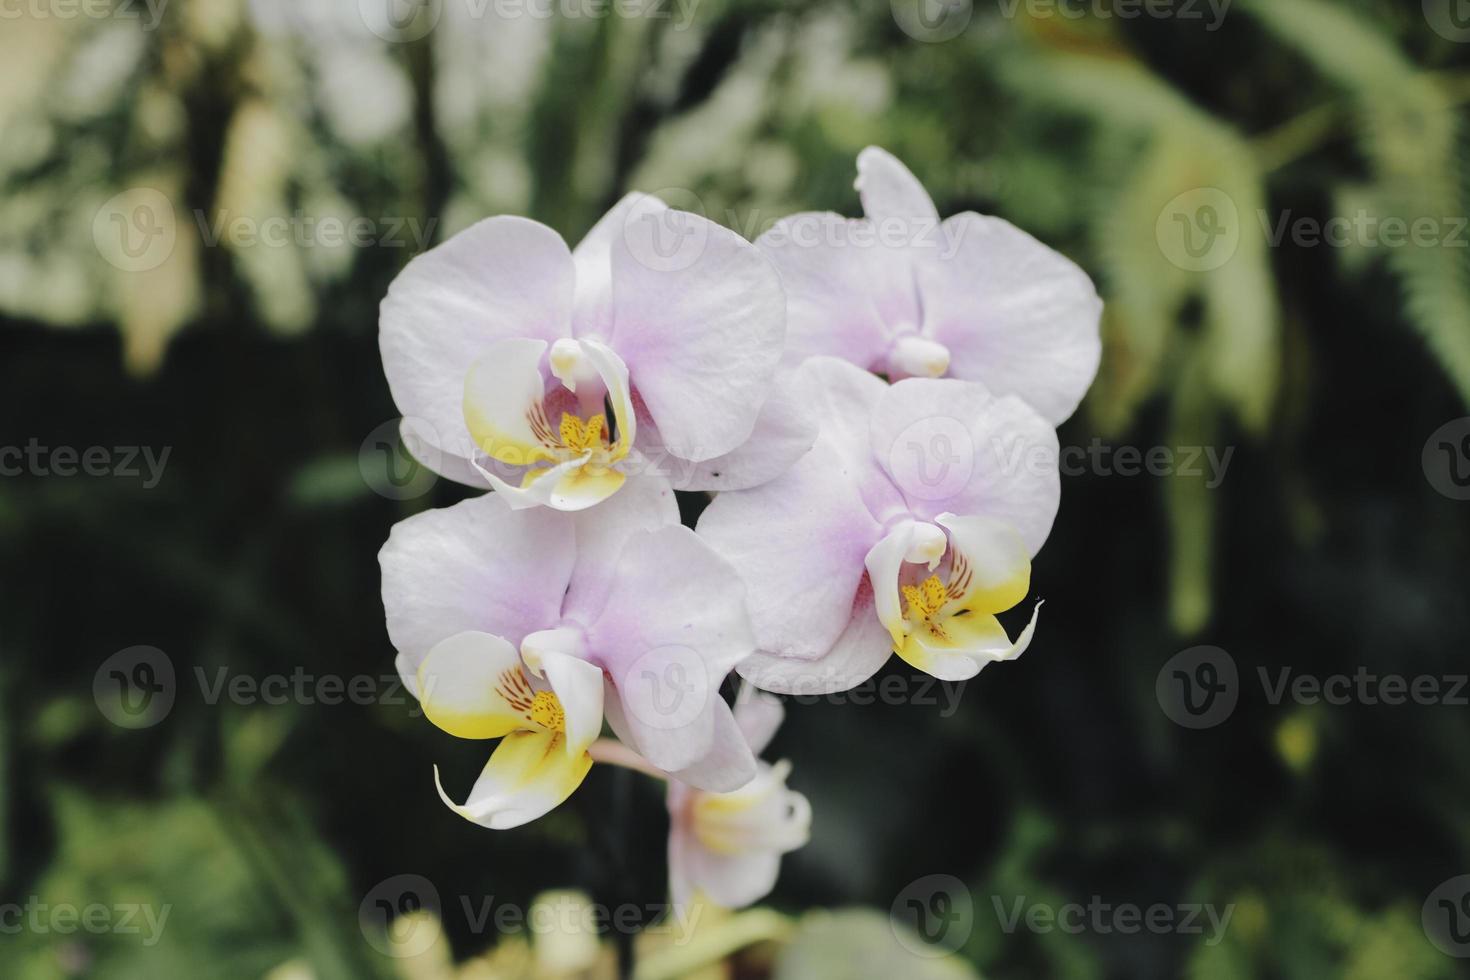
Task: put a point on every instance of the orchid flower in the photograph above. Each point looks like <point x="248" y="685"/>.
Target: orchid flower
<point x="908" y="526"/>
<point x="726" y="847"/>
<point x="535" y="626"/>
<point x="552" y="375"/>
<point x="905" y="295"/>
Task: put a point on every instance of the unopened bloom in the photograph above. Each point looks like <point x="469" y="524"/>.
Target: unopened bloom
<point x="727" y="847"/>
<point x="551" y="374"/>
<point x="905" y="295"/>
<point x="910" y="523"/>
<point x="534" y="626"/>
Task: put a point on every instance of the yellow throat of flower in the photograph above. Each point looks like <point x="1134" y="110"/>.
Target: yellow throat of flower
<point x="582" y="437"/>
<point x="547" y="712"/>
<point x="925" y="600"/>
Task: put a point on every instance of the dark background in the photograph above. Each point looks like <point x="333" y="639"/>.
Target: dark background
<point x="1327" y="547"/>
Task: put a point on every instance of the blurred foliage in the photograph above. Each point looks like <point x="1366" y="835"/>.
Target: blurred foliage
<point x="1058" y="778"/>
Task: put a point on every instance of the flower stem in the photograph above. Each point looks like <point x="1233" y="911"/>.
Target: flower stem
<point x="615" y="753"/>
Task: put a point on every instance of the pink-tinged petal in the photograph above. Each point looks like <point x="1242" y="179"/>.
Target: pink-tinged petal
<point x="951" y="446"/>
<point x="735" y="836"/>
<point x="784" y="431"/>
<point x="798" y="543"/>
<point x="842" y="398"/>
<point x="593" y="258"/>
<point x="859" y="653"/>
<point x="673" y="625"/>
<point x="839" y="283"/>
<point x="734" y="881"/>
<point x="890" y="190"/>
<point x="1012" y="313"/>
<point x="701" y="328"/>
<point x="528" y="775"/>
<point x="477" y="565"/>
<point x="505" y="277"/>
<point x="730" y="762"/>
<point x="645" y="503"/>
<point x="759" y="715"/>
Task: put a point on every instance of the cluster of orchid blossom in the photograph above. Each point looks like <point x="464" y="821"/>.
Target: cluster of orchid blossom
<point x="873" y="403"/>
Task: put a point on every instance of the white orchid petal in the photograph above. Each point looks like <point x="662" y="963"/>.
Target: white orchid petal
<point x="971" y="643"/>
<point x="472" y="686"/>
<point x="860" y="652"/>
<point x="951" y="446"/>
<point x="798" y="543"/>
<point x="990" y="569"/>
<point x="889" y="189"/>
<point x="503" y="278"/>
<point x="477" y="565"/>
<point x="645" y="503"/>
<point x="1011" y="313"/>
<point x="504" y="391"/>
<point x="673" y="626"/>
<point x="838" y="284"/>
<point x="579" y="686"/>
<point x="701" y="330"/>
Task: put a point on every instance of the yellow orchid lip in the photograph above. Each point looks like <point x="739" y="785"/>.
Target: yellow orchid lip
<point x="944" y="623"/>
<point x="539" y="710"/>
<point x="927" y="600"/>
<point x="571" y="448"/>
